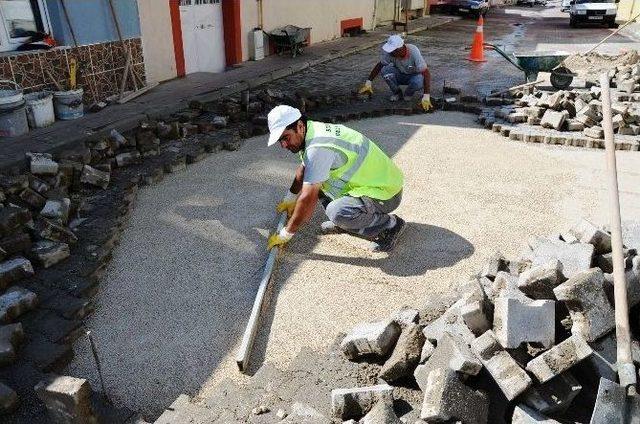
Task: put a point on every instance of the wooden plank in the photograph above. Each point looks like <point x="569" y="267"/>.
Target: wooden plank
<point x="138" y="93"/>
<point x="244" y="353"/>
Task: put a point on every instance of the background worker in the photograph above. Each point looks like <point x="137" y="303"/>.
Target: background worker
<point x="356" y="182"/>
<point x="402" y="64"/>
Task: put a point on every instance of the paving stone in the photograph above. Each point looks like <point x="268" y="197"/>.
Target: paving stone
<point x="516" y="321"/>
<point x="406" y="354"/>
<point x="57" y="209"/>
<point x="574" y="258"/>
<point x="574" y="125"/>
<point x="586" y="232"/>
<point x="382" y="413"/>
<point x="8" y="399"/>
<point x="357" y="402"/>
<point x="49" y="230"/>
<point x="538" y="282"/>
<point x="495" y="264"/>
<point x="506" y="372"/>
<point x="610" y="404"/>
<point x="12" y="219"/>
<point x="176" y="165"/>
<point x="553" y="397"/>
<point x="33" y="199"/>
<point x="474" y="316"/>
<point x="42" y="164"/>
<point x="127" y="158"/>
<point x="525" y="415"/>
<point x="552" y="119"/>
<point x="594" y="132"/>
<point x="14" y="270"/>
<point x="447" y="398"/>
<point x="505" y="285"/>
<point x="427" y="350"/>
<point x="10" y="338"/>
<point x="68" y="400"/>
<point x="15" y="302"/>
<point x="47" y="253"/>
<point x="451" y="321"/>
<point x="405" y="316"/>
<point x="95" y="177"/>
<point x="559" y="358"/>
<point x="590" y="310"/>
<point x="450" y="352"/>
<point x="377" y="339"/>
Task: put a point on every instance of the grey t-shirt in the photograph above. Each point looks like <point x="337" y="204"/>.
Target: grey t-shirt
<point x="318" y="163"/>
<point x="413" y="64"/>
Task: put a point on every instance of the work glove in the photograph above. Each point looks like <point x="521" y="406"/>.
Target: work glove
<point x="287" y="204"/>
<point x="366" y="88"/>
<point x="279" y="239"/>
<point x="426" y="102"/>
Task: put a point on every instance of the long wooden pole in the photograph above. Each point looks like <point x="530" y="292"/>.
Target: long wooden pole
<point x="244" y="353"/>
<point x="613" y="33"/>
<point x="124" y="46"/>
<point x="626" y="368"/>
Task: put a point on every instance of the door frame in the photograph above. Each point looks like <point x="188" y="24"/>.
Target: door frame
<point x="232" y="33"/>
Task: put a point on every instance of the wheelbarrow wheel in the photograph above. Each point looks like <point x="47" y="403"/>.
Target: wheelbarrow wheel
<point x="561" y="78"/>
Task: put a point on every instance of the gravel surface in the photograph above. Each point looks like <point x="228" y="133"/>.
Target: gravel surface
<point x="170" y="314"/>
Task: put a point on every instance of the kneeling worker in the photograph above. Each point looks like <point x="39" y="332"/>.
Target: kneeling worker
<point x="355" y="181"/>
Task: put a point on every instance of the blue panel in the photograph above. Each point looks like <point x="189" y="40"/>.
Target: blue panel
<point x="92" y="20"/>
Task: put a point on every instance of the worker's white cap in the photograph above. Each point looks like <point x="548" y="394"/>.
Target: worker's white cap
<point x="279" y="119"/>
<point x="394" y="42"/>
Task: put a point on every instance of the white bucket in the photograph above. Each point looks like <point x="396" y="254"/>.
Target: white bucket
<point x="68" y="104"/>
<point x="13" y="118"/>
<point x="40" y="109"/>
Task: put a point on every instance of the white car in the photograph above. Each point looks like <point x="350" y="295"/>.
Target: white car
<point x="594" y="11"/>
<point x="565" y="6"/>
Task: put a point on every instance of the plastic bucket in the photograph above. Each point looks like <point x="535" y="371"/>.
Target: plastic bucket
<point x="13" y="115"/>
<point x="40" y="109"/>
<point x="68" y="104"/>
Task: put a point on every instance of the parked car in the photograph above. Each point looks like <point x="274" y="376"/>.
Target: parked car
<point x="565" y="6"/>
<point x="594" y="11"/>
<point x="529" y="3"/>
<point x="465" y="7"/>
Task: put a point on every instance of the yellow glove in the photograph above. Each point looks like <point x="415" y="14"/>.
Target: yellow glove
<point x="279" y="239"/>
<point x="287" y="204"/>
<point x="366" y="88"/>
<point x="426" y="102"/>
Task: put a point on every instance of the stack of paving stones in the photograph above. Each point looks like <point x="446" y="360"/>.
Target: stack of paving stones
<point x="571" y="118"/>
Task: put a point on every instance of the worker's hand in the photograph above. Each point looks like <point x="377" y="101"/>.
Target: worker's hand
<point x="366" y="88"/>
<point x="426" y="102"/>
<point x="279" y="239"/>
<point x="287" y="204"/>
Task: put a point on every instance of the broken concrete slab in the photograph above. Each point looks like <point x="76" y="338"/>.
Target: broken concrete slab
<point x="15" y="302"/>
<point x="406" y="354"/>
<point x="590" y="310"/>
<point x="447" y="398"/>
<point x="506" y="372"/>
<point x="538" y="282"/>
<point x="356" y="402"/>
<point x="68" y="400"/>
<point x="516" y="322"/>
<point x="375" y="338"/>
<point x="451" y="352"/>
<point x="555" y="396"/>
<point x="10" y="338"/>
<point x="559" y="358"/>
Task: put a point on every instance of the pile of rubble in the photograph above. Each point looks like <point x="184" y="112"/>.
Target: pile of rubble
<point x="572" y="117"/>
<point x="523" y="341"/>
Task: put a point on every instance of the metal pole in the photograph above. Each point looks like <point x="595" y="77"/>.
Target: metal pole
<point x="94" y="351"/>
<point x="626" y="369"/>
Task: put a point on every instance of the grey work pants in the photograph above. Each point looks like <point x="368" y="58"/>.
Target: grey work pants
<point x="364" y="216"/>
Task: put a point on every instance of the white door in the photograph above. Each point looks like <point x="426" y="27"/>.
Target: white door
<point x="202" y="35"/>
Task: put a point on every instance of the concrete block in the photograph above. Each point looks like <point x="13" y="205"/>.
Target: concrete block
<point x="57" y="209"/>
<point x="357" y="402"/>
<point x="506" y="285"/>
<point x="451" y="321"/>
<point x="590" y="310"/>
<point x="516" y="322"/>
<point x="47" y="253"/>
<point x="15" y="302"/>
<point x="382" y="413"/>
<point x="574" y="125"/>
<point x="494" y="264"/>
<point x="68" y="400"/>
<point x="42" y="164"/>
<point x="525" y="415"/>
<point x="33" y="199"/>
<point x="506" y="372"/>
<point x="127" y="158"/>
<point x="450" y="352"/>
<point x="586" y="232"/>
<point x="538" y="282"/>
<point x="10" y="338"/>
<point x="474" y="316"/>
<point x="552" y="119"/>
<point x="447" y="398"/>
<point x="617" y="121"/>
<point x="8" y="399"/>
<point x="575" y="258"/>
<point x="553" y="397"/>
<point x="376" y="338"/>
<point x="610" y="404"/>
<point x="14" y="270"/>
<point x="12" y="219"/>
<point x="95" y="177"/>
<point x="406" y="354"/>
<point x="427" y="350"/>
<point x="405" y="316"/>
<point x="559" y="358"/>
<point x="628" y="86"/>
<point x="594" y="132"/>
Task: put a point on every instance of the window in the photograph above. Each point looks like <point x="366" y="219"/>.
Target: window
<point x="19" y="19"/>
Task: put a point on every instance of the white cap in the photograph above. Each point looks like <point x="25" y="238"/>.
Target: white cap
<point x="279" y="119"/>
<point x="394" y="42"/>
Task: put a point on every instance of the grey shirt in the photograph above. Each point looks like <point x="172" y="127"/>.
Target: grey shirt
<point x="318" y="163"/>
<point x="413" y="64"/>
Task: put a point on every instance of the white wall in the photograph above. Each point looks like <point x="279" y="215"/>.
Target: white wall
<point x="157" y="40"/>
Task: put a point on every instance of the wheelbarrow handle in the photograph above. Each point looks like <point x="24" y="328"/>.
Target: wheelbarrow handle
<point x="506" y="55"/>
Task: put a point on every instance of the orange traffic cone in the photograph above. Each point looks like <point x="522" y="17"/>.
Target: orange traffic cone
<point x="477" y="48"/>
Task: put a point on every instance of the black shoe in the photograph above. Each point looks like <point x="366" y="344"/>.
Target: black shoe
<point x="387" y="240"/>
